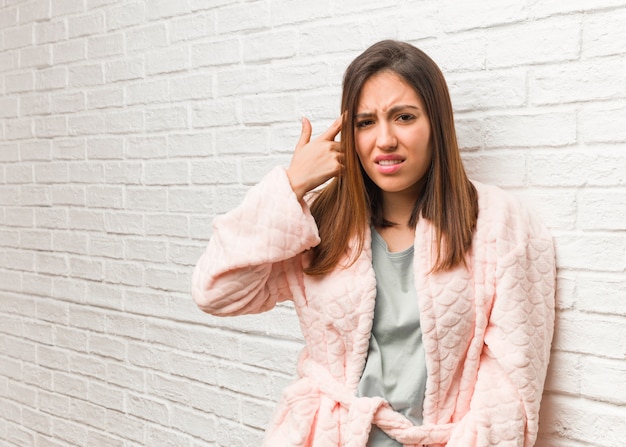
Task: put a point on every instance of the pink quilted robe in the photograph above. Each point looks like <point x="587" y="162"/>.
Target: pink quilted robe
<point x="487" y="329"/>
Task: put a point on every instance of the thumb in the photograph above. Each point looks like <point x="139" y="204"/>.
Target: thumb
<point x="305" y="133"/>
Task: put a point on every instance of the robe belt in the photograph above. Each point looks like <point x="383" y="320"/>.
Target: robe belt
<point x="365" y="411"/>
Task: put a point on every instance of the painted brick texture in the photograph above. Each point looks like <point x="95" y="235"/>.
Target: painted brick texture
<point x="126" y="126"/>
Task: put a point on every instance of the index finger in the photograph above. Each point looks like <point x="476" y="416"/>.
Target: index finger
<point x="334" y="129"/>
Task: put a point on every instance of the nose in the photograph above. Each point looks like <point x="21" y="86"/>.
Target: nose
<point x="386" y="138"/>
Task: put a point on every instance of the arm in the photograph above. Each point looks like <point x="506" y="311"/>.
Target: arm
<point x="505" y="404"/>
<point x="255" y="248"/>
<point x="244" y="268"/>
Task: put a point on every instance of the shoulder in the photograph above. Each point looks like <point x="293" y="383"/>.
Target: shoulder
<point x="502" y="216"/>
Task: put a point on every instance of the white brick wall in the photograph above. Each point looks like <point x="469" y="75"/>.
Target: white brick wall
<point x="126" y="126"/>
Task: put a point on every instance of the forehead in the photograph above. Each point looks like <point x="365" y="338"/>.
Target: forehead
<point x="384" y="89"/>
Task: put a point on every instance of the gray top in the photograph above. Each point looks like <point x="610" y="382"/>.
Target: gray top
<point x="396" y="364"/>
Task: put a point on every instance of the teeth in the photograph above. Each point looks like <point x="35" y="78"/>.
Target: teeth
<point x="389" y="162"/>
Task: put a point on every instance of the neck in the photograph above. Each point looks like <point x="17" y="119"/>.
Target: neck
<point x="397" y="207"/>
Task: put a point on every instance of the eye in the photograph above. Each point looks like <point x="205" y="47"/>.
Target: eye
<point x="364" y="123"/>
<point x="405" y="117"/>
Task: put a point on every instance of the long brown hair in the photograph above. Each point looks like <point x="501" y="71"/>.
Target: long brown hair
<point x="351" y="202"/>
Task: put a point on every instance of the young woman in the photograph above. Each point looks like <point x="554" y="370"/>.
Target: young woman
<point x="426" y="300"/>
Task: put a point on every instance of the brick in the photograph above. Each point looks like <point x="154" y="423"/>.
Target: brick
<point x="214" y="113"/>
<point x="149" y="409"/>
<point x="167" y="387"/>
<point x="549" y="129"/>
<point x="19" y="349"/>
<point x="18" y="174"/>
<point x="87" y="365"/>
<point x="108" y="397"/>
<point x="176" y="225"/>
<point x="168" y="279"/>
<point x="189" y="200"/>
<point x="86" y="24"/>
<point x="36" y="239"/>
<point x="107" y="148"/>
<point x="87" y="414"/>
<point x="69" y="242"/>
<point x="67" y="102"/>
<point x="124" y="122"/>
<point x="596" y="373"/>
<point x="68" y="195"/>
<point x="85" y="75"/>
<point x="251" y="79"/>
<point x="145" y="250"/>
<point x="216" y="171"/>
<point x="50" y="32"/>
<point x="602" y="209"/>
<point x="192" y="27"/>
<point x="69" y="431"/>
<point x="109" y="246"/>
<point x="19" y="129"/>
<point x="270" y="45"/>
<point x="51" y="218"/>
<point x="596" y="335"/>
<point x="197" y="86"/>
<point x="346" y="37"/>
<point x="602" y="124"/>
<point x="593" y="422"/>
<point x="124" y="223"/>
<point x="80" y="124"/>
<point x="602" y="293"/>
<point x="50" y="126"/>
<point x="578" y="81"/>
<point x="87" y="220"/>
<point x="125" y="376"/>
<point x="283" y="12"/>
<point x="168" y="60"/>
<point x="602" y="32"/>
<point x="105" y="196"/>
<point x="34" y="105"/>
<point x="69" y="51"/>
<point x="104" y="295"/>
<point x="146" y="199"/>
<point x="253" y="169"/>
<point x="577" y="168"/>
<point x="163" y="8"/>
<point x="493" y="168"/>
<point x="146" y="38"/>
<point x="124" y="70"/>
<point x="147" y="92"/>
<point x="299" y="77"/>
<point x="166" y="173"/>
<point x="66" y="7"/>
<point x="126" y="173"/>
<point x="86" y="268"/>
<point x="239" y="17"/>
<point x="481" y="91"/>
<point x="126" y="15"/>
<point x="594" y="252"/>
<point x="18" y="83"/>
<point x="197" y="143"/>
<point x="169" y="118"/>
<point x="455" y="17"/>
<point x="18" y="37"/>
<point x="36" y="421"/>
<point x="268" y="108"/>
<point x="18" y="435"/>
<point x="534" y="42"/>
<point x="127" y="273"/>
<point x="543" y="8"/>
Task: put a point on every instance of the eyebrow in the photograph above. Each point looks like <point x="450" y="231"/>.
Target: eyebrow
<point x="391" y="111"/>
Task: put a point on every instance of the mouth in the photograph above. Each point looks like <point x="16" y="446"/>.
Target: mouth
<point x="388" y="162"/>
<point x="388" y="165"/>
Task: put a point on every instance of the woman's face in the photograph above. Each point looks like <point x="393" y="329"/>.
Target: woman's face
<point x="392" y="134"/>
